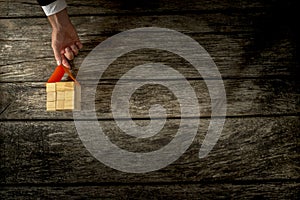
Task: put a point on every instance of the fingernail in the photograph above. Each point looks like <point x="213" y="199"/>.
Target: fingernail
<point x="58" y="62"/>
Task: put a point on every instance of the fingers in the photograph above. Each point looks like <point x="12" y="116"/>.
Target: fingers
<point x="69" y="53"/>
<point x="63" y="55"/>
<point x="65" y="62"/>
<point x="75" y="49"/>
<point x="79" y="45"/>
<point x="72" y="51"/>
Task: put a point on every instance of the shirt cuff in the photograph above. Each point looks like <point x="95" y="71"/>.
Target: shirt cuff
<point x="54" y="7"/>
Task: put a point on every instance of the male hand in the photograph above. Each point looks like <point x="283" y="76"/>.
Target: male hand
<point x="65" y="41"/>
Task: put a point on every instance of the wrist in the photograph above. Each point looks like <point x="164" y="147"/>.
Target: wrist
<point x="59" y="20"/>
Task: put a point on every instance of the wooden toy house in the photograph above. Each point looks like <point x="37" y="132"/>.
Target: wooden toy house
<point x="63" y="96"/>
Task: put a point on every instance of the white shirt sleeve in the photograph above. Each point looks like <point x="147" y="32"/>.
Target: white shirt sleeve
<point x="54" y="7"/>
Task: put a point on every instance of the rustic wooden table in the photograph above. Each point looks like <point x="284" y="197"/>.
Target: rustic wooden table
<point x="256" y="48"/>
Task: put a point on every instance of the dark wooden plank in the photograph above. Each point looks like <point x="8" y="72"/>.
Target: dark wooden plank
<point x="176" y="191"/>
<point x="38" y="28"/>
<point x="20" y="62"/>
<point x="248" y="149"/>
<point x="27" y="48"/>
<point x="244" y="97"/>
<point x="29" y="8"/>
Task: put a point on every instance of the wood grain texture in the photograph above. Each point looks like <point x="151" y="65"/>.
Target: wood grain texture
<point x="253" y="43"/>
<point x="28" y="8"/>
<point x="182" y="191"/>
<point x="244" y="97"/>
<point x="248" y="149"/>
<point x="235" y="47"/>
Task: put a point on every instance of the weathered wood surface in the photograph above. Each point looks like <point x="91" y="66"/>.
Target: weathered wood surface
<point x="233" y="46"/>
<point x="255" y="47"/>
<point x="35" y="64"/>
<point x="244" y="97"/>
<point x="159" y="191"/>
<point x="29" y="8"/>
<point x="51" y="152"/>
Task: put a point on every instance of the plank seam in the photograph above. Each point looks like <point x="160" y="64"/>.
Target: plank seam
<point x="270" y="77"/>
<point x="296" y="114"/>
<point x="160" y="13"/>
<point x="202" y="182"/>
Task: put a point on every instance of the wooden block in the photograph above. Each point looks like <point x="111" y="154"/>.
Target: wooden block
<point x="50" y="106"/>
<point x="51" y="96"/>
<point x="77" y="97"/>
<point x="60" y="105"/>
<point x="63" y="86"/>
<point x="50" y="87"/>
<point x="60" y="86"/>
<point x="77" y="93"/>
<point x="70" y="95"/>
<point x="69" y="104"/>
<point x="60" y="95"/>
<point x="69" y="86"/>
